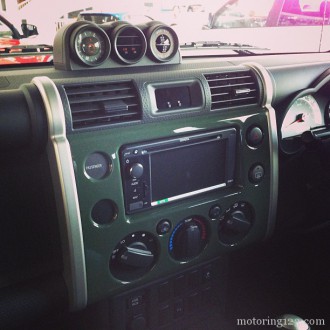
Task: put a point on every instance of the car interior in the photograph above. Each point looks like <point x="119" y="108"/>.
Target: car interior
<point x="144" y="189"/>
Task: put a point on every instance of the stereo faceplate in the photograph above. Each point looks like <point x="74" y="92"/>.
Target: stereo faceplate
<point x="158" y="172"/>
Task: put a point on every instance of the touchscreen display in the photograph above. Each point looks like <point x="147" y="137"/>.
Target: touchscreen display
<point x="187" y="170"/>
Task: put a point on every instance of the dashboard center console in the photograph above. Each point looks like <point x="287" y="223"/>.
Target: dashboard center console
<point x="165" y="171"/>
<point x="170" y="191"/>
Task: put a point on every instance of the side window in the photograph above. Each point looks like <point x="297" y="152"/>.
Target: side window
<point x="5" y="31"/>
<point x="242" y="14"/>
<point x="304" y="13"/>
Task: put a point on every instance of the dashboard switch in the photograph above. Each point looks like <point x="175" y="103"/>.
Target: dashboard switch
<point x="163" y="227"/>
<point x="215" y="212"/>
<point x="256" y="173"/>
<point x="138" y="323"/>
<point x="254" y="136"/>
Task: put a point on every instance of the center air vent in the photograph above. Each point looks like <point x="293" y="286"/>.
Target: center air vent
<point x="129" y="43"/>
<point x="95" y="105"/>
<point x="230" y="89"/>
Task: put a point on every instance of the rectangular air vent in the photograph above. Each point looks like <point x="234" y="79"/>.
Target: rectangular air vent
<point x="230" y="89"/>
<point x="94" y="105"/>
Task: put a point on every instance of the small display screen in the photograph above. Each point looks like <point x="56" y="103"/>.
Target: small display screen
<point x="187" y="170"/>
<point x="173" y="98"/>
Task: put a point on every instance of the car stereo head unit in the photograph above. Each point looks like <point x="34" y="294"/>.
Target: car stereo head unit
<point x="163" y="171"/>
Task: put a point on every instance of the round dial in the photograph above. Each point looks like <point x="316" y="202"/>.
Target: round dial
<point x="235" y="223"/>
<point x="163" y="43"/>
<point x="303" y="115"/>
<point x="188" y="238"/>
<point x="134" y="256"/>
<point x="91" y="45"/>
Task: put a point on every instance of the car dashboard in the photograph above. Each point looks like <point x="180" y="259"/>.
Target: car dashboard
<point x="127" y="184"/>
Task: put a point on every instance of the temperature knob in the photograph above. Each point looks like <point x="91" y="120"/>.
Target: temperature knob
<point x="134" y="256"/>
<point x="188" y="238"/>
<point x="235" y="223"/>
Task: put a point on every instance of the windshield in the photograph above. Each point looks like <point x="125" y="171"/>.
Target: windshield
<point x="28" y="27"/>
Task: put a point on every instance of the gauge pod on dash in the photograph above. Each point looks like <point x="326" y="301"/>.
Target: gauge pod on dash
<point x="84" y="45"/>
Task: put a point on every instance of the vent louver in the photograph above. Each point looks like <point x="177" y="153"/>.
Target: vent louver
<point x="130" y="44"/>
<point x="230" y="89"/>
<point x="101" y="104"/>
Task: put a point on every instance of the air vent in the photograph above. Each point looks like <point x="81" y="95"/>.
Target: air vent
<point x="129" y="43"/>
<point x="232" y="89"/>
<point x="103" y="104"/>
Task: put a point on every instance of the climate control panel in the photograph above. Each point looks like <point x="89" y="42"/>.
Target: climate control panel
<point x="137" y="253"/>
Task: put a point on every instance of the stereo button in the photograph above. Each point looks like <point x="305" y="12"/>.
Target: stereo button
<point x="256" y="173"/>
<point x="135" y="197"/>
<point x="134" y="183"/>
<point x="136" y="170"/>
<point x="135" y="190"/>
<point x="136" y="206"/>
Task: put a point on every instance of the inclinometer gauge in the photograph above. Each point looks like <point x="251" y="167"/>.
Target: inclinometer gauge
<point x="163" y="42"/>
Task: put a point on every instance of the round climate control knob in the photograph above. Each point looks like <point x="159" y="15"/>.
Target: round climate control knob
<point x="188" y="238"/>
<point x="235" y="223"/>
<point x="134" y="256"/>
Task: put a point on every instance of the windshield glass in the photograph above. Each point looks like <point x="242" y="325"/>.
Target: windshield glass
<point x="218" y="27"/>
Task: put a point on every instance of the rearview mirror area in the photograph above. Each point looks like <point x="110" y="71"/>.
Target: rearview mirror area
<point x="29" y="30"/>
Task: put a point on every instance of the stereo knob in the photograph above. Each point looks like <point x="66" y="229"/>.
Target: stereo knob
<point x="188" y="239"/>
<point x="136" y="170"/>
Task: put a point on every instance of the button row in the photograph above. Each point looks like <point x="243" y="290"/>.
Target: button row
<point x="184" y="283"/>
<point x="172" y="302"/>
<point x="187" y="305"/>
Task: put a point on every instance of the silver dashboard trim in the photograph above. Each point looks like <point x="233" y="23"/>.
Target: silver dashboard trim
<point x="268" y="95"/>
<point x="62" y="170"/>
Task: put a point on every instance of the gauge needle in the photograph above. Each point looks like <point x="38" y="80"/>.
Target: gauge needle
<point x="300" y="118"/>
